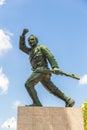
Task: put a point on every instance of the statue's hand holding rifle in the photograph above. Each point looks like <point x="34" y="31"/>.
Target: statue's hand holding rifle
<point x="59" y="72"/>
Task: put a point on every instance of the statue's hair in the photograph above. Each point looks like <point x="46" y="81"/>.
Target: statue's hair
<point x="35" y="38"/>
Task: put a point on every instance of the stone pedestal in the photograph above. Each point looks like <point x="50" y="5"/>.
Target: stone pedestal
<point x="49" y="118"/>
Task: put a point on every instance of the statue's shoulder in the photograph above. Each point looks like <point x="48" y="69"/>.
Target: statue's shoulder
<point x="42" y="47"/>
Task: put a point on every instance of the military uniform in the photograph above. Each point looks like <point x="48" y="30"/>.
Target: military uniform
<point x="39" y="57"/>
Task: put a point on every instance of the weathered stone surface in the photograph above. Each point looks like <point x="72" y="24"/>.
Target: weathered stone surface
<point x="49" y="118"/>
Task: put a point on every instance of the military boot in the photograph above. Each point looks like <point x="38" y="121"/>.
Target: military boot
<point x="34" y="105"/>
<point x="70" y="102"/>
<point x="33" y="94"/>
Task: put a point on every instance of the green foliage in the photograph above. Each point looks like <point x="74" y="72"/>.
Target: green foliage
<point x="84" y="108"/>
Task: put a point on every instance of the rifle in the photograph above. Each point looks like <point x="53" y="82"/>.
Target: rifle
<point x="59" y="72"/>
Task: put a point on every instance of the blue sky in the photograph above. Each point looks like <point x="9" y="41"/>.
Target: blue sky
<point x="62" y="27"/>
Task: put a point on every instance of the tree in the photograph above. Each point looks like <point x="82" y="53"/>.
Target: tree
<point x="84" y="108"/>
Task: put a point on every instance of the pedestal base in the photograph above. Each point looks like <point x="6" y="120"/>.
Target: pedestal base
<point x="49" y="118"/>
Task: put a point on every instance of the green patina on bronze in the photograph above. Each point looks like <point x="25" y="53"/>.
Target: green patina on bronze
<point x="39" y="57"/>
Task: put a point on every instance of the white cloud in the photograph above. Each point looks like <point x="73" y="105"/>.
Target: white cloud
<point x="5" y="41"/>
<point x="2" y="2"/>
<point x="16" y="104"/>
<point x="83" y="80"/>
<point x="10" y="123"/>
<point x="4" y="82"/>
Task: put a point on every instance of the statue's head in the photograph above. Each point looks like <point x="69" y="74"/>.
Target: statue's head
<point x="33" y="40"/>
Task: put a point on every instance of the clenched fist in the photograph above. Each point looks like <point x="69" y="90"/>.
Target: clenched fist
<point x="25" y="30"/>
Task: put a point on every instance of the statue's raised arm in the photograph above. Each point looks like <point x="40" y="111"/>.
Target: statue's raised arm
<point x="22" y="45"/>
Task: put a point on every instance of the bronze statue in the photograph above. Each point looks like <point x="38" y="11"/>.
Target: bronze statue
<point x="39" y="57"/>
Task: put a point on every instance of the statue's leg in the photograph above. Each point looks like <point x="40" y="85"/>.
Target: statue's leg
<point x="48" y="84"/>
<point x="30" y="83"/>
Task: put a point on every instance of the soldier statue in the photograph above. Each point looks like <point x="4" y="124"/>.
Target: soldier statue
<point x="39" y="57"/>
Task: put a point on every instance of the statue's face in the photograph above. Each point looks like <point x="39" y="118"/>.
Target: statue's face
<point x="32" y="41"/>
